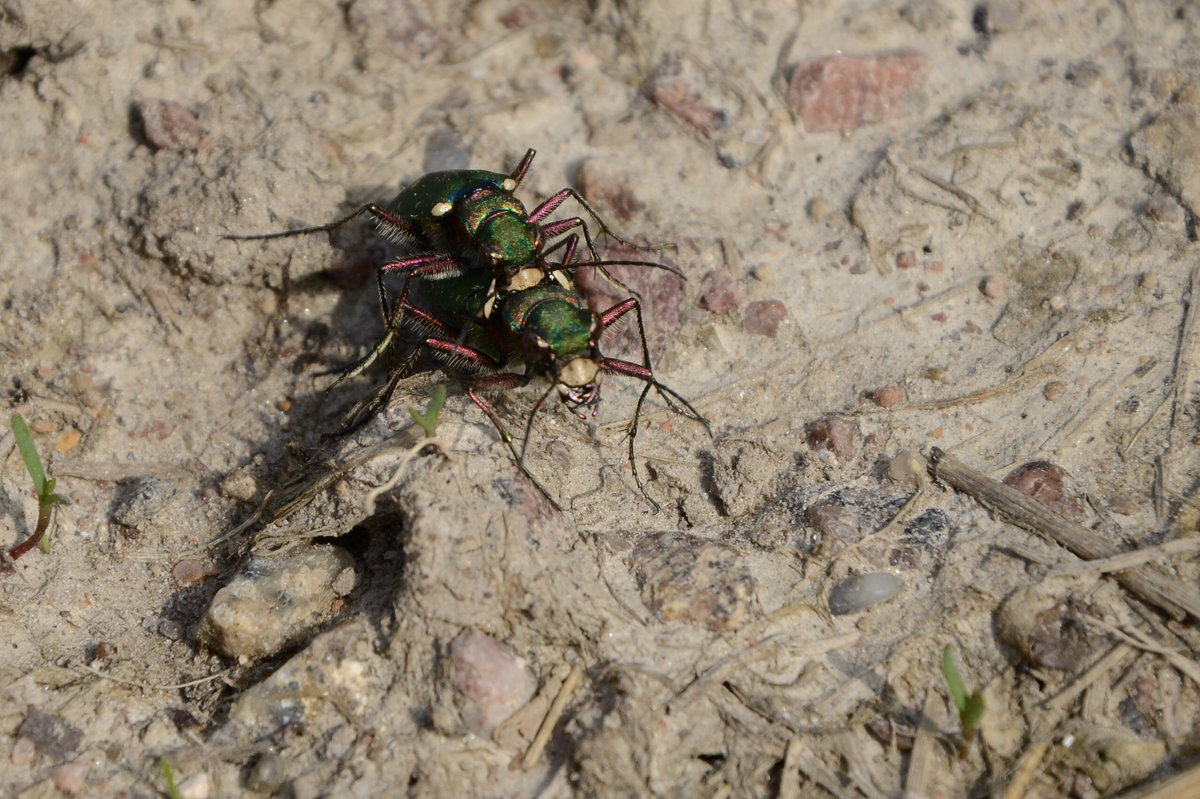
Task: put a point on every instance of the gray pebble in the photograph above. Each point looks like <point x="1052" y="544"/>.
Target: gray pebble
<point x="861" y="591"/>
<point x="140" y="499"/>
<point x="268" y="774"/>
<point x="274" y="602"/>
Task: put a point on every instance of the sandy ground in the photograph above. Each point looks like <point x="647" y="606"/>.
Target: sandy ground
<point x="998" y="261"/>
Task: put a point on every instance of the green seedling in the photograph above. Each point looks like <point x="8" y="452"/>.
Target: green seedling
<point x="43" y="486"/>
<point x="169" y="775"/>
<point x="428" y="421"/>
<point x="970" y="707"/>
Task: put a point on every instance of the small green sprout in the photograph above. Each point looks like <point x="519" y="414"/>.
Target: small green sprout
<point x="428" y="421"/>
<point x="43" y="486"/>
<point x="169" y="775"/>
<point x="970" y="708"/>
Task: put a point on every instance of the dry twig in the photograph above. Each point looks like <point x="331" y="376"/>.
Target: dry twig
<point x="1176" y="598"/>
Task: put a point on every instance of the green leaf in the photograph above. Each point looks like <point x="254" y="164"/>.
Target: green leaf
<point x="428" y="421"/>
<point x="169" y="776"/>
<point x="973" y="713"/>
<point x="29" y="453"/>
<point x="954" y="682"/>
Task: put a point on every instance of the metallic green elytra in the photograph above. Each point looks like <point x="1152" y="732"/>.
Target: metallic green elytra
<point x="469" y="221"/>
<point x="469" y="213"/>
<point x="546" y="330"/>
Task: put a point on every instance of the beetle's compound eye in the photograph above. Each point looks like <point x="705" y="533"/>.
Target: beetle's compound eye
<point x="440" y="209"/>
<point x="509" y="184"/>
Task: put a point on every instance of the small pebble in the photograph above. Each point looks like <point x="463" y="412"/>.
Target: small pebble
<point x="22" y="752"/>
<point x="169" y="126"/>
<point x="68" y="777"/>
<point x="1046" y="631"/>
<point x="908" y="468"/>
<point x="268" y="774"/>
<point x="719" y="291"/>
<point x="820" y="209"/>
<point x="68" y="441"/>
<point x="906" y="259"/>
<point x="170" y="629"/>
<point x="835" y="434"/>
<point x="141" y="499"/>
<point x="595" y="181"/>
<point x="1054" y="390"/>
<point x="239" y="485"/>
<point x="888" y="396"/>
<point x="192" y="570"/>
<point x="1044" y="481"/>
<point x="838" y="93"/>
<point x="491" y="680"/>
<point x="344" y="583"/>
<point x="689" y="106"/>
<point x="834" y="520"/>
<point x="1056" y="303"/>
<point x="1124" y="505"/>
<point x="274" y="602"/>
<point x="50" y="734"/>
<point x="197" y="786"/>
<point x="764" y="317"/>
<point x="860" y="591"/>
<point x="688" y="579"/>
<point x="994" y="287"/>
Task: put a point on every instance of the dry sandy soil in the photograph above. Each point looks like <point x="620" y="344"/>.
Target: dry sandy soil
<point x="975" y="232"/>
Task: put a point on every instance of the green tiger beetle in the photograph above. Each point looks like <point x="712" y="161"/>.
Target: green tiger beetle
<point x="549" y="329"/>
<point x="469" y="220"/>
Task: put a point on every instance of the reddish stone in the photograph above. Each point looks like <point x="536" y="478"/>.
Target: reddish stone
<point x="662" y="299"/>
<point x="520" y="17"/>
<point x="684" y="578"/>
<point x="689" y="107"/>
<point x="764" y="317"/>
<point x="720" y="292"/>
<point x="994" y="287"/>
<point x="1045" y="482"/>
<point x="841" y="93"/>
<point x="606" y="193"/>
<point x="170" y="126"/>
<point x="835" y="434"/>
<point x="888" y="396"/>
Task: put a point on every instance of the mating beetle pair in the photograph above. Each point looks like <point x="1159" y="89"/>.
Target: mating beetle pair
<point x="491" y="297"/>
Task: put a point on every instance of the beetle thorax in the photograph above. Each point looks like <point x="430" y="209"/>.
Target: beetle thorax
<point x="508" y="241"/>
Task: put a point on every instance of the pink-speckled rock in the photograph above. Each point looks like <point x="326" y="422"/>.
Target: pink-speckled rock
<point x="684" y="578"/>
<point x="1046" y="482"/>
<point x="841" y="93"/>
<point x="764" y="317"/>
<point x="720" y="291"/>
<point x="662" y="298"/>
<point x="835" y="434"/>
<point x="170" y="126"/>
<point x="491" y="680"/>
